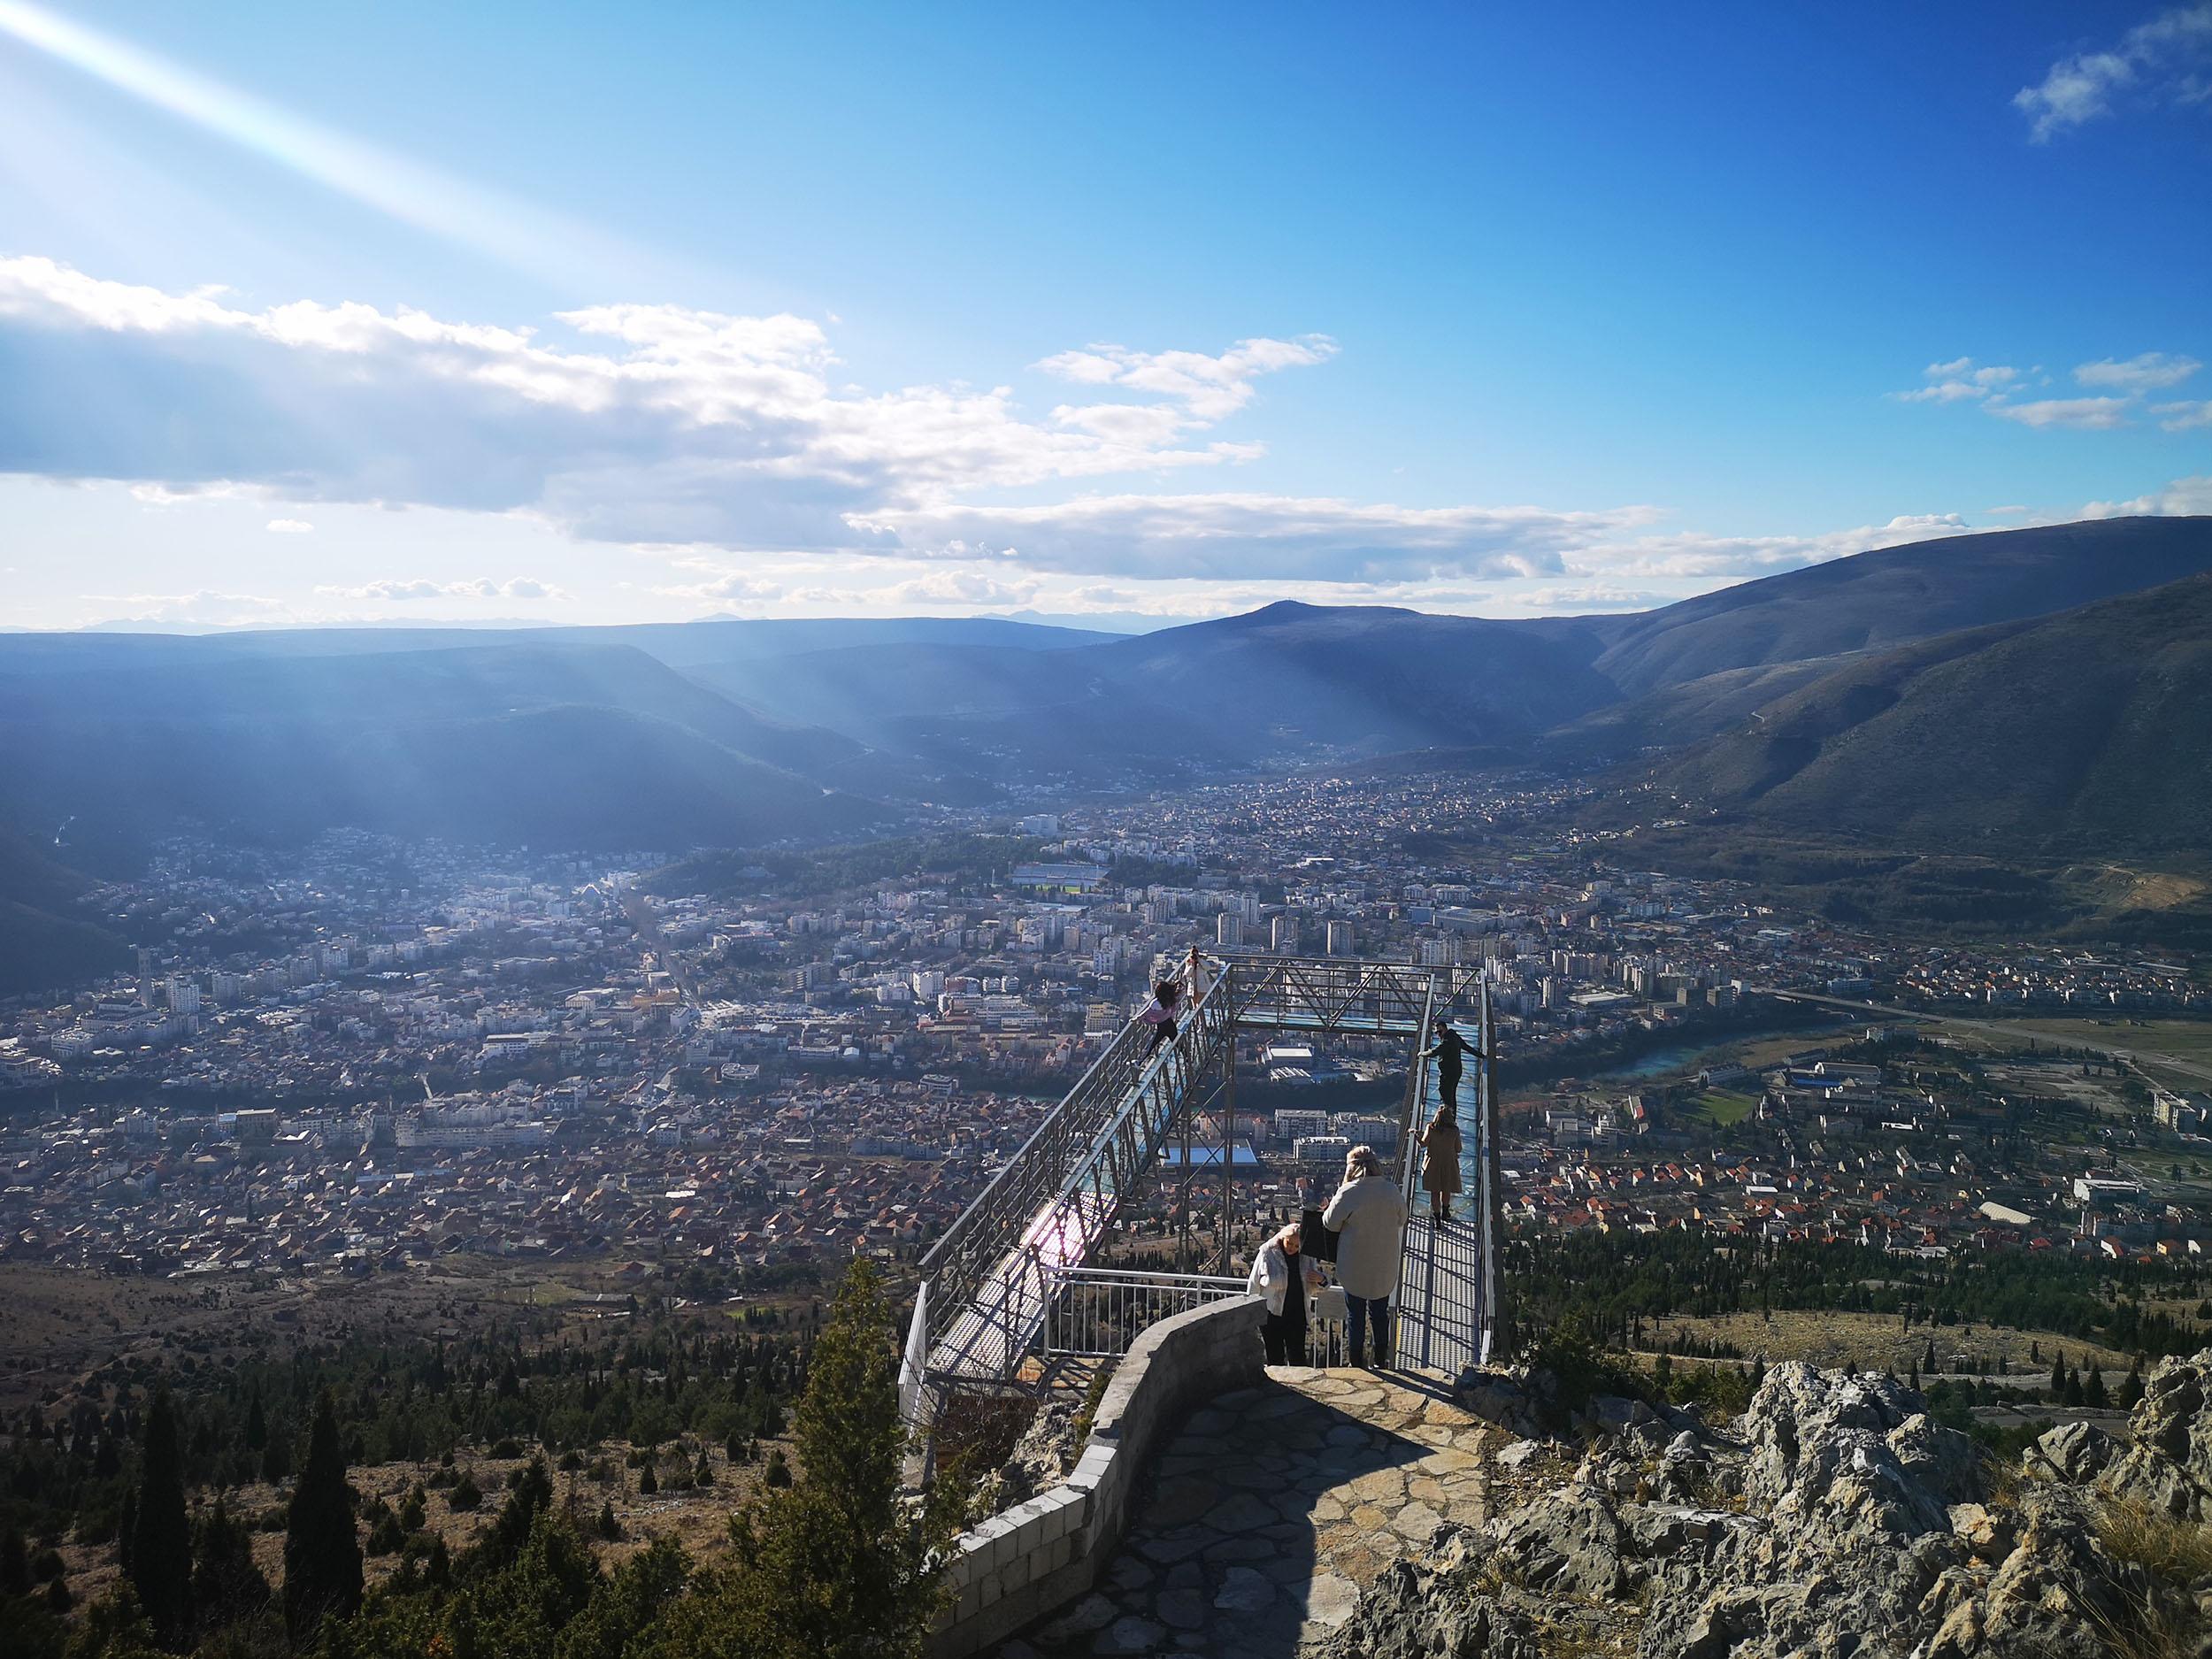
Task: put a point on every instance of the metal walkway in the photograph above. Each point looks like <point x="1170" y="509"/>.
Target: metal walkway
<point x="989" y="1283"/>
<point x="1446" y="1313"/>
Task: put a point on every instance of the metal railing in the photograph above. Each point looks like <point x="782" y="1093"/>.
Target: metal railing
<point x="1043" y="1212"/>
<point x="1097" y="1311"/>
<point x="1447" y="1275"/>
<point x="1332" y="994"/>
<point x="992" y="1278"/>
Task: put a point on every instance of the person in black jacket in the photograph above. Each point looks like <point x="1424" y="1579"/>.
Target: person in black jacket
<point x="1449" y="1051"/>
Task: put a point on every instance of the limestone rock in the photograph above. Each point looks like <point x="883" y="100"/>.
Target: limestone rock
<point x="2073" y="1452"/>
<point x="1566" y="1541"/>
<point x="1441" y="1606"/>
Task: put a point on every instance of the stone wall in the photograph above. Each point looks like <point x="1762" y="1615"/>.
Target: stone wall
<point x="1017" y="1567"/>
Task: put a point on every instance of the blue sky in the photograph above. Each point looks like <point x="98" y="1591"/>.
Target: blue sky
<point x="574" y="313"/>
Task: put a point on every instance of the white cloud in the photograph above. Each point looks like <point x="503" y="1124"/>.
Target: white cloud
<point x="2161" y="61"/>
<point x="663" y="424"/>
<point x="1692" y="554"/>
<point x="202" y="608"/>
<point x="392" y="590"/>
<point x="2083" y="414"/>
<point x="2182" y="417"/>
<point x="2152" y="370"/>
<point x="1958" y="380"/>
<point x="2182" y="498"/>
<point x="1223" y="535"/>
<point x="1209" y="389"/>
<point x="290" y="527"/>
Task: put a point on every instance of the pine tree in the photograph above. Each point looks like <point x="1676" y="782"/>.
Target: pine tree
<point x="161" y="1542"/>
<point x="15" y="1564"/>
<point x="834" y="1566"/>
<point x="322" y="1555"/>
<point x="227" y="1586"/>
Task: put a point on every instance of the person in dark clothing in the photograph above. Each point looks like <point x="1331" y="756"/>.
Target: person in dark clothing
<point x="1160" y="1014"/>
<point x="1449" y="1051"/>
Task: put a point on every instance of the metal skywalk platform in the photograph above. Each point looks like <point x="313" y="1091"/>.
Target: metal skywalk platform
<point x="991" y="1280"/>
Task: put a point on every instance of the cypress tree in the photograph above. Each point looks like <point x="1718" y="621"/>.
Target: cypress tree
<point x="322" y="1555"/>
<point x="2058" y="1377"/>
<point x="256" y="1423"/>
<point x="227" y="1586"/>
<point x="15" y="1564"/>
<point x="2093" y="1392"/>
<point x="161" y="1542"/>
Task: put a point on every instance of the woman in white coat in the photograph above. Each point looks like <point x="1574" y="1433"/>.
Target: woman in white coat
<point x="1286" y="1279"/>
<point x="1368" y="1214"/>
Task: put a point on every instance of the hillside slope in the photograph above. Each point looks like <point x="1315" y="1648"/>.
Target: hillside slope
<point x="581" y="744"/>
<point x="2084" y="734"/>
<point x="44" y="942"/>
<point x="1873" y="601"/>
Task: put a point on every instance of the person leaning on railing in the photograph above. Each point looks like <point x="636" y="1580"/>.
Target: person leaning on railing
<point x="1368" y="1214"/>
<point x="1159" y="1014"/>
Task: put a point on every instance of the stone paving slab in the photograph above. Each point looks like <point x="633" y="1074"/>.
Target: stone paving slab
<point x="1263" y="1521"/>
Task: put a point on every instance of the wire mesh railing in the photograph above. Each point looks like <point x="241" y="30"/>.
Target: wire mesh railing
<point x="1100" y="1311"/>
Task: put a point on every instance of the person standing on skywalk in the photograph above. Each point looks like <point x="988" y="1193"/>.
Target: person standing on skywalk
<point x="1449" y="1051"/>
<point x="1439" y="1165"/>
<point x="1368" y="1214"/>
<point x="1198" y="978"/>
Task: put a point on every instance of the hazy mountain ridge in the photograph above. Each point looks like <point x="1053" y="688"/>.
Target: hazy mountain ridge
<point x="1835" y="694"/>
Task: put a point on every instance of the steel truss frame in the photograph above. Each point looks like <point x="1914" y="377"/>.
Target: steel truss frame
<point x="990" y="1280"/>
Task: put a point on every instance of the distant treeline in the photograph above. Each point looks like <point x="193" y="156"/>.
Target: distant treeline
<point x="69" y="1467"/>
<point x="1609" y="1281"/>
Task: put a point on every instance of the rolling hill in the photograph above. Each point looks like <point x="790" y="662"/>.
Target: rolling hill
<point x="741" y="732"/>
<point x="43" y="942"/>
<point x="515" y="741"/>
<point x="2083" y="735"/>
<point x="1892" y="596"/>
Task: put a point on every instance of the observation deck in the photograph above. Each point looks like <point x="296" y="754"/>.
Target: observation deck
<point x="992" y="1283"/>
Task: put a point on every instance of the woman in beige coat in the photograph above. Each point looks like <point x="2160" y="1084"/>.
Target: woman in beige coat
<point x="1439" y="1169"/>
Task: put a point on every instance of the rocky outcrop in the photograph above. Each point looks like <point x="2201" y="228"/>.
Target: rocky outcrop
<point x="1450" y="1603"/>
<point x="1848" y="1490"/>
<point x="1835" y="1521"/>
<point x="2169" y="1465"/>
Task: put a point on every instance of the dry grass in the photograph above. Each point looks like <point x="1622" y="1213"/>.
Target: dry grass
<point x="1871" y="1341"/>
<point x="2166" y="1546"/>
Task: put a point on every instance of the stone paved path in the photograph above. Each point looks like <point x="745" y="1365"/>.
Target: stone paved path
<point x="1270" y="1513"/>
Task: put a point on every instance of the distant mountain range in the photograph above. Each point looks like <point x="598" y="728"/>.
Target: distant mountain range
<point x="2036" y="690"/>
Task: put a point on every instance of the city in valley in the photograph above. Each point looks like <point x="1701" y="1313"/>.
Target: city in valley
<point x="717" y="1079"/>
<point x="1012" y="832"/>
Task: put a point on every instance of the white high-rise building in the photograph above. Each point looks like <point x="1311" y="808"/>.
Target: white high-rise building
<point x="1339" y="939"/>
<point x="1229" y="930"/>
